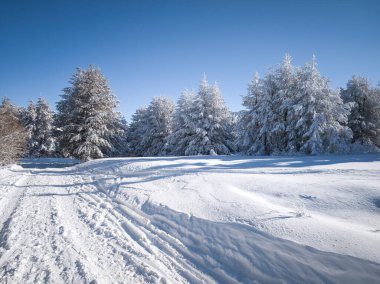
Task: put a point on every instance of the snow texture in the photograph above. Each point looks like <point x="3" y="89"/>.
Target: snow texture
<point x="224" y="219"/>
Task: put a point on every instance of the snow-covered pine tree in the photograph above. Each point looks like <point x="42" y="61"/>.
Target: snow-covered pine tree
<point x="364" y="118"/>
<point x="293" y="110"/>
<point x="260" y="117"/>
<point x="264" y="125"/>
<point x="233" y="128"/>
<point x="85" y="114"/>
<point x="28" y="116"/>
<point x="118" y="138"/>
<point x="158" y="127"/>
<point x="13" y="135"/>
<point x="249" y="125"/>
<point x="29" y="121"/>
<point x="322" y="116"/>
<point x="136" y="131"/>
<point x="212" y="122"/>
<point x="284" y="79"/>
<point x="42" y="142"/>
<point x="376" y="98"/>
<point x="150" y="128"/>
<point x="8" y="107"/>
<point x="183" y="125"/>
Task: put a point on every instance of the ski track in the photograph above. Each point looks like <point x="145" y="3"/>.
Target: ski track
<point x="72" y="233"/>
<point x="77" y="225"/>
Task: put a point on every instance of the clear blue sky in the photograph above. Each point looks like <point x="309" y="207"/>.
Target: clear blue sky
<point x="150" y="48"/>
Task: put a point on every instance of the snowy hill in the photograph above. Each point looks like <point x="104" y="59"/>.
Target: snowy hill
<point x="192" y="220"/>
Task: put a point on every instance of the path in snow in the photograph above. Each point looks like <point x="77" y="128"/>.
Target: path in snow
<point x="86" y="224"/>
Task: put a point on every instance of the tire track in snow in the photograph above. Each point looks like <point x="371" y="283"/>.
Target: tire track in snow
<point x="69" y="228"/>
<point x="13" y="202"/>
<point x="88" y="254"/>
<point x="10" y="195"/>
<point x="36" y="251"/>
<point x="98" y="255"/>
<point x="154" y="245"/>
<point x="13" y="198"/>
<point x="233" y="253"/>
<point x="96" y="212"/>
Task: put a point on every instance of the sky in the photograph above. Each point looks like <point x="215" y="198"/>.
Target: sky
<point x="148" y="48"/>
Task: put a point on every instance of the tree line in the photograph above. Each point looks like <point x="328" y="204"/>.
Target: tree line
<point x="290" y="110"/>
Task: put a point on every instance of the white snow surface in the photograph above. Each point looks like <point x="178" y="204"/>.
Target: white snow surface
<point x="223" y="219"/>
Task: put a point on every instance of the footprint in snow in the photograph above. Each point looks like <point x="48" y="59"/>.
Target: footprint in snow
<point x="307" y="197"/>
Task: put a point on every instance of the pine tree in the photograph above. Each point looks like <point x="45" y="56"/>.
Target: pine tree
<point x="28" y="119"/>
<point x="249" y="125"/>
<point x="284" y="78"/>
<point x="376" y="98"/>
<point x="136" y="131"/>
<point x="183" y="125"/>
<point x="28" y="116"/>
<point x="42" y="143"/>
<point x="256" y="126"/>
<point x="85" y="115"/>
<point x="150" y="128"/>
<point x="293" y="110"/>
<point x="322" y="116"/>
<point x="158" y="126"/>
<point x="364" y="118"/>
<point x="211" y="122"/>
<point x="119" y="130"/>
<point x="264" y="125"/>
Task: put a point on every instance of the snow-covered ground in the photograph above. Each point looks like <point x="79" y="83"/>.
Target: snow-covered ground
<point x="192" y="219"/>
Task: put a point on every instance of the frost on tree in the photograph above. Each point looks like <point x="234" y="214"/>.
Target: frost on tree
<point x="321" y="116"/>
<point x="136" y="131"/>
<point x="85" y="115"/>
<point x="183" y="125"/>
<point x="39" y="122"/>
<point x="118" y="138"/>
<point x="209" y="123"/>
<point x="263" y="127"/>
<point x="364" y="119"/>
<point x="250" y="138"/>
<point x="28" y="118"/>
<point x="150" y="128"/>
<point x="284" y="90"/>
<point x="158" y="126"/>
<point x="13" y="135"/>
<point x="293" y="110"/>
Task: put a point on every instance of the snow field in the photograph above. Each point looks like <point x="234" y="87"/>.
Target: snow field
<point x="192" y="220"/>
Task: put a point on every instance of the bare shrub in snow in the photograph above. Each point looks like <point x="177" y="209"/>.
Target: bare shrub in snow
<point x="13" y="135"/>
